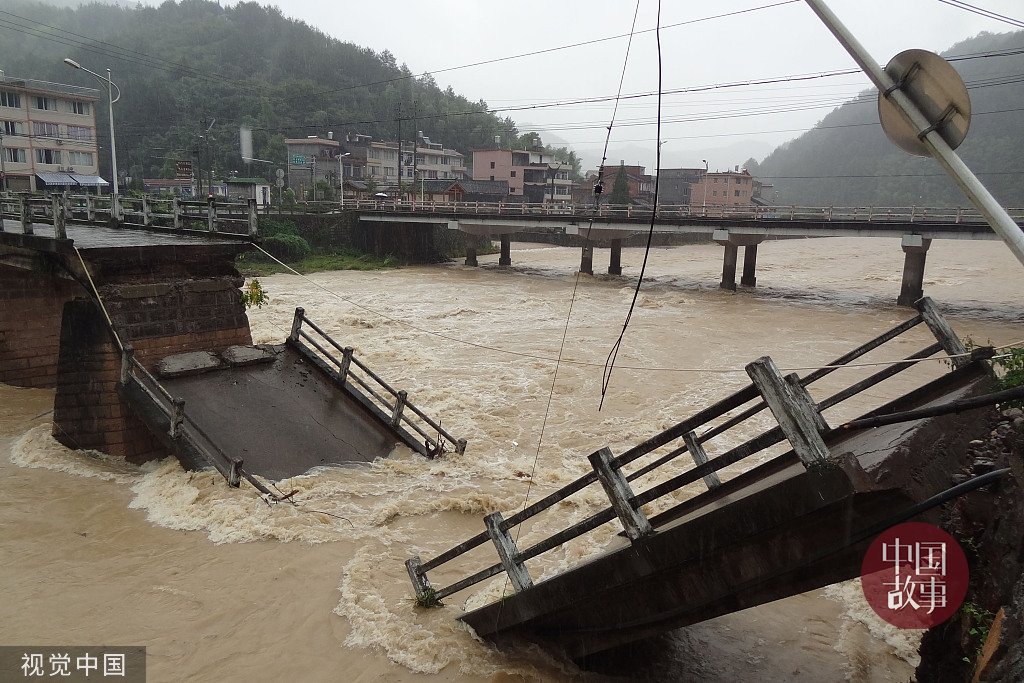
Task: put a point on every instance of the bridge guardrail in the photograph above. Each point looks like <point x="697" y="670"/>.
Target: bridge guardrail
<point x="145" y="212"/>
<point x="799" y="420"/>
<point x="868" y="214"/>
<point x="397" y="407"/>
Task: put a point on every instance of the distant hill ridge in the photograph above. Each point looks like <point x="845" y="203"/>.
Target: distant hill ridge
<point x="847" y="160"/>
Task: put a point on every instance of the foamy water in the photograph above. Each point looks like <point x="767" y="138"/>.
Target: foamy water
<point x="477" y="348"/>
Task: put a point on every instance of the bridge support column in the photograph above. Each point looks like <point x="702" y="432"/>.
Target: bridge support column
<point x="506" y="250"/>
<point x="471" y="256"/>
<point x="729" y="267"/>
<point x="615" y="263"/>
<point x="916" y="249"/>
<point x="749" y="264"/>
<point x="587" y="259"/>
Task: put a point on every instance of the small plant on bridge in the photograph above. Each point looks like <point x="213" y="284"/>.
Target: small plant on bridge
<point x="428" y="599"/>
<point x="253" y="294"/>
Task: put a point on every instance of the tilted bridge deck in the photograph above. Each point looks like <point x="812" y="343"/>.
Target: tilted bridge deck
<point x="799" y="521"/>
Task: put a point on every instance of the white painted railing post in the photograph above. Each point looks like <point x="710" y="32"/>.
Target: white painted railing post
<point x="211" y="214"/>
<point x="176" y="212"/>
<point x="791" y="411"/>
<point x="235" y="473"/>
<point x="346" y="363"/>
<point x="700" y="457"/>
<point x="508" y="553"/>
<point x="26" y="213"/>
<point x="177" y="417"/>
<point x="147" y="211"/>
<point x="90" y="208"/>
<point x="400" y="401"/>
<point x="634" y="522"/>
<point x="254" y="221"/>
<point x="296" y="324"/>
<point x="419" y="581"/>
<point x="60" y="218"/>
<point x="127" y="355"/>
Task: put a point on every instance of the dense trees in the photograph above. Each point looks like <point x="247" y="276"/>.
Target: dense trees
<point x="185" y="62"/>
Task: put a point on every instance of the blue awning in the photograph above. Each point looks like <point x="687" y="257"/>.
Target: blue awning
<point x="56" y="179"/>
<point x="89" y="180"/>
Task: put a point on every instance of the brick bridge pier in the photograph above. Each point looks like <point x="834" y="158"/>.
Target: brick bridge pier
<point x="167" y="294"/>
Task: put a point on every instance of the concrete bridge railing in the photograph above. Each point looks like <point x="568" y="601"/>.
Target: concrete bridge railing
<point x="393" y="404"/>
<point x="867" y="214"/>
<point x="799" y="421"/>
<point x="143" y="212"/>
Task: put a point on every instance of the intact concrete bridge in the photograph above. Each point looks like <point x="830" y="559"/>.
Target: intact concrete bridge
<point x="801" y="520"/>
<point x="731" y="227"/>
<point x="144" y="335"/>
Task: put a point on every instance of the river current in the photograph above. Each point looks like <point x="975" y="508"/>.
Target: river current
<point x="222" y="586"/>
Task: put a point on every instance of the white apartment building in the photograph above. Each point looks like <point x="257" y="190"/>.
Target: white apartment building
<point x="48" y="136"/>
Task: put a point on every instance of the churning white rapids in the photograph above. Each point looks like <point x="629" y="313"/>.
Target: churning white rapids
<point x="221" y="586"/>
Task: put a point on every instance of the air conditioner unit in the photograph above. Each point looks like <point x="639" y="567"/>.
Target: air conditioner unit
<point x="61" y="169"/>
<point x="59" y="141"/>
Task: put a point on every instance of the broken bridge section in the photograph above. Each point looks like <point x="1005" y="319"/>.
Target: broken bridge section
<point x="278" y="411"/>
<point x="801" y="519"/>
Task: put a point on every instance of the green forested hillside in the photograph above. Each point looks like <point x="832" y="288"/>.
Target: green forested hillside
<point x="847" y="159"/>
<point x="184" y="63"/>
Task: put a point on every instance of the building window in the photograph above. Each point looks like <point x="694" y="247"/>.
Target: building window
<point x="513" y="174"/>
<point x="79" y="107"/>
<point x="714" y="193"/>
<point x="13" y="128"/>
<point x="716" y="180"/>
<point x="80" y="133"/>
<point x="48" y="156"/>
<point x="492" y="177"/>
<point x="737" y="193"/>
<point x="80" y="158"/>
<point x="46" y="103"/>
<point x="10" y="99"/>
<point x="492" y="166"/>
<point x="42" y="129"/>
<point x="14" y="155"/>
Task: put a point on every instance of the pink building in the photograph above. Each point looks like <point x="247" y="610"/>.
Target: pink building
<point x="728" y="188"/>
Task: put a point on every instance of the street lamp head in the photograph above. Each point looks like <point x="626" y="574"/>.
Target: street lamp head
<point x="72" y="63"/>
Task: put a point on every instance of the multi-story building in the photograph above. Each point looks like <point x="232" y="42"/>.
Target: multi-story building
<point x="313" y="159"/>
<point x="48" y="135"/>
<point x="724" y="188"/>
<point x="675" y="185"/>
<point x="420" y="160"/>
<point x="532" y="176"/>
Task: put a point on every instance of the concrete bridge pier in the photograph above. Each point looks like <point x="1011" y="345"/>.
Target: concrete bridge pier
<point x="471" y="256"/>
<point x="615" y="262"/>
<point x="587" y="259"/>
<point x="506" y="250"/>
<point x="916" y="249"/>
<point x="732" y="243"/>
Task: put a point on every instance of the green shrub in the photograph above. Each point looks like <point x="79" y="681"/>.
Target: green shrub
<point x="287" y="247"/>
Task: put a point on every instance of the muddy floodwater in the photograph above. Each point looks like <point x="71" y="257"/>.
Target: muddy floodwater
<point x="221" y="586"/>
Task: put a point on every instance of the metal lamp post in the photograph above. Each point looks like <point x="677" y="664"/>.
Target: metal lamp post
<point x="341" y="178"/>
<point x="115" y="205"/>
<point x="704" y="209"/>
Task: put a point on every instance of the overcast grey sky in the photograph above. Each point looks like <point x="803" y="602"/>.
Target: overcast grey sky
<point x="724" y="125"/>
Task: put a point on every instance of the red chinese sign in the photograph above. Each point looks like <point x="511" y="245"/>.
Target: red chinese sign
<point x="915" y="575"/>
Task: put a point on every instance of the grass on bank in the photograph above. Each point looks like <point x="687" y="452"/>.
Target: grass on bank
<point x="258" y="265"/>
